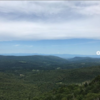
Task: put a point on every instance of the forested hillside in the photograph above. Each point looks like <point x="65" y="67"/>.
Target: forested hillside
<point x="45" y="62"/>
<point x="26" y="85"/>
<point x="26" y="78"/>
<point x="31" y="62"/>
<point x="86" y="91"/>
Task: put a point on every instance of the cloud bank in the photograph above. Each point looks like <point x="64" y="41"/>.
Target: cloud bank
<point x="39" y="20"/>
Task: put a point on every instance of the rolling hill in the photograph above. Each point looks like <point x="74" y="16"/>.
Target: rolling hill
<point x="29" y="77"/>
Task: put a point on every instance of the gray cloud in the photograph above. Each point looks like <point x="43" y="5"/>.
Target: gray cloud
<point x="29" y="20"/>
<point x="42" y="10"/>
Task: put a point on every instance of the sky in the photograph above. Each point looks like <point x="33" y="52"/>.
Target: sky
<point x="50" y="27"/>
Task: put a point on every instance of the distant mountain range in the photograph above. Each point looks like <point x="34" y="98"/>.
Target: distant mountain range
<point x="44" y="62"/>
<point x="66" y="56"/>
<point x="76" y="55"/>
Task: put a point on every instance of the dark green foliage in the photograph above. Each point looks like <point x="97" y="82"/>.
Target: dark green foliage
<point x="31" y="85"/>
<point x="37" y="62"/>
<point x="31" y="62"/>
<point x="76" y="92"/>
<point x="48" y="78"/>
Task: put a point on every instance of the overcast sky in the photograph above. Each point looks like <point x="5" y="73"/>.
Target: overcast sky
<point x="33" y="22"/>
